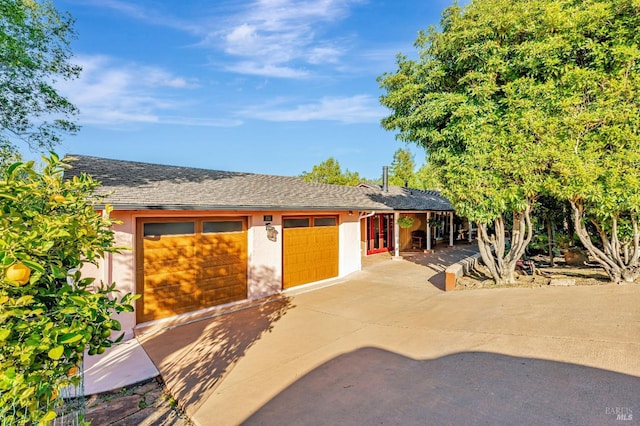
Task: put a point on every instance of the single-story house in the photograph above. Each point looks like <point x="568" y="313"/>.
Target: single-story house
<point x="201" y="239"/>
<point x="205" y="238"/>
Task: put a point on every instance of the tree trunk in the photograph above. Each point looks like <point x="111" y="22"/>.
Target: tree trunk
<point x="550" y="238"/>
<point x="501" y="261"/>
<point x="620" y="260"/>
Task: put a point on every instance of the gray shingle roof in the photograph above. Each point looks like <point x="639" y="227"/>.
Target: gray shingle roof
<point x="399" y="198"/>
<point x="136" y="186"/>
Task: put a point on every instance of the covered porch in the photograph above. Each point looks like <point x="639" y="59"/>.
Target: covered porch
<point x="406" y="231"/>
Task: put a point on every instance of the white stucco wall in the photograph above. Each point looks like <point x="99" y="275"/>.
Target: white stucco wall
<point x="264" y="275"/>
<point x="265" y="256"/>
<point x="350" y="253"/>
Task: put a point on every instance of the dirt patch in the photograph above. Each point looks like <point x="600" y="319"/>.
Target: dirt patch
<point x="144" y="404"/>
<point x="561" y="275"/>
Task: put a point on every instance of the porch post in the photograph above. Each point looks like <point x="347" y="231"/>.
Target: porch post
<point x="470" y="226"/>
<point x="451" y="229"/>
<point x="428" y="231"/>
<point x="396" y="234"/>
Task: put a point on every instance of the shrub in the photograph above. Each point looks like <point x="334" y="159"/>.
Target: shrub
<point x="49" y="314"/>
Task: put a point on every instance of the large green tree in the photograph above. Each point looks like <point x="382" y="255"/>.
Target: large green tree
<point x="34" y="53"/>
<point x="464" y="101"/>
<point x="514" y="99"/>
<point x="598" y="135"/>
<point x="329" y="171"/>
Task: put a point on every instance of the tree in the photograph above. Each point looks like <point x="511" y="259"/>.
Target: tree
<point x="329" y="171"/>
<point x="598" y="135"/>
<point x="34" y="53"/>
<point x="426" y="177"/>
<point x="402" y="168"/>
<point x="470" y="100"/>
<point x="517" y="99"/>
<point x="49" y="313"/>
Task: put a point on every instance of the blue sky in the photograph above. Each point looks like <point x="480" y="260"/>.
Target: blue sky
<point x="270" y="86"/>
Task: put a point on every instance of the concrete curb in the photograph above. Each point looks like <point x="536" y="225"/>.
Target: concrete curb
<point x="457" y="270"/>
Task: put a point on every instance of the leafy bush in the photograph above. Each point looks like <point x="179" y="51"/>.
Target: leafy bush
<point x="49" y="313"/>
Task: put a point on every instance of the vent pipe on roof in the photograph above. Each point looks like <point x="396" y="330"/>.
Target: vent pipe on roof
<point x="385" y="178"/>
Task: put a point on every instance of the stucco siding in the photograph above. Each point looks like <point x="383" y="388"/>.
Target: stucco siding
<point x="265" y="254"/>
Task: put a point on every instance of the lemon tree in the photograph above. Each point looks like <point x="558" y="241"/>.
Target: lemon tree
<point x="50" y="315"/>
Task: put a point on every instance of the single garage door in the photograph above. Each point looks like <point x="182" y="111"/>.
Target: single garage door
<point x="310" y="249"/>
<point x="189" y="264"/>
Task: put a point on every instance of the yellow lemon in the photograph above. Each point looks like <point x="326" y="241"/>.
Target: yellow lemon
<point x="19" y="273"/>
<point x="57" y="199"/>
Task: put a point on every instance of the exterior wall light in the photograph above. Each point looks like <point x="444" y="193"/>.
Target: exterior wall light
<point x="272" y="232"/>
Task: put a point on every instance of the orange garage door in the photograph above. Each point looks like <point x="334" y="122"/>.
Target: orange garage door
<point x="189" y="264"/>
<point x="310" y="249"/>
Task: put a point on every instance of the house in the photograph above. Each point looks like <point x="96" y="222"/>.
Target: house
<point x="205" y="238"/>
<point x="431" y="217"/>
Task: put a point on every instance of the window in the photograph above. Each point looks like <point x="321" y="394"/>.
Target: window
<point x="222" y="226"/>
<point x="169" y="228"/>
<point x="296" y="223"/>
<point x="324" y="221"/>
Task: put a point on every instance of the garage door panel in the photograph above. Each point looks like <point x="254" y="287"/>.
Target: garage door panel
<point x="183" y="273"/>
<point x="310" y="254"/>
<point x="169" y="301"/>
<point x="214" y="294"/>
<point x="186" y="279"/>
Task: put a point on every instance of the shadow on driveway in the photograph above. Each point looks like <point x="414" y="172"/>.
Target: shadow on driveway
<point x="371" y="386"/>
<point x="194" y="358"/>
<point x="437" y="262"/>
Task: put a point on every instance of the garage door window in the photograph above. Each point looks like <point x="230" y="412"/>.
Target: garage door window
<point x="169" y="228"/>
<point x="222" y="226"/>
<point x="324" y="221"/>
<point x="296" y="223"/>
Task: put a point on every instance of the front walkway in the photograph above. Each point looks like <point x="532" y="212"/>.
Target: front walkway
<point x="387" y="346"/>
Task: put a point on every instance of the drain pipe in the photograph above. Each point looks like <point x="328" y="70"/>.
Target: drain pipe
<point x="364" y="216"/>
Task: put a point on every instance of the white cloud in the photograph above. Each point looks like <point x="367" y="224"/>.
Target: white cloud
<point x="281" y="34"/>
<point x="110" y="92"/>
<point x="267" y="70"/>
<point x="270" y="34"/>
<point x="354" y="109"/>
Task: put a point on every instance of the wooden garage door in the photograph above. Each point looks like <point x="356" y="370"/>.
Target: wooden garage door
<point x="310" y="249"/>
<point x="189" y="264"/>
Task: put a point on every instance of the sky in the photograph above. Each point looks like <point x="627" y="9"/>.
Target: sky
<point x="267" y="86"/>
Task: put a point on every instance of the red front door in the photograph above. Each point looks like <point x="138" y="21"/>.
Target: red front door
<point x="380" y="233"/>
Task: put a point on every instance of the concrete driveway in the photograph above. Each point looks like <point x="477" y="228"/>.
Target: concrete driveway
<point x="388" y="346"/>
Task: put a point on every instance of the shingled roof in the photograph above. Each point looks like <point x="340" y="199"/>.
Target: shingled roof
<point x="408" y="199"/>
<point x="140" y="186"/>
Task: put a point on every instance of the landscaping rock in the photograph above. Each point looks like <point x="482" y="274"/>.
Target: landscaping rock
<point x="564" y="282"/>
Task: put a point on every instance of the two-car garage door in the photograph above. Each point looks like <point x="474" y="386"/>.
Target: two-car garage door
<point x="188" y="264"/>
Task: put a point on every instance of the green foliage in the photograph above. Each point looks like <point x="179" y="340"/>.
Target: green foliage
<point x="518" y="99"/>
<point x="329" y="171"/>
<point x="405" y="222"/>
<point x="467" y="100"/>
<point x="402" y="169"/>
<point x="50" y="318"/>
<point x="34" y="53"/>
<point x="426" y="177"/>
